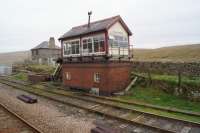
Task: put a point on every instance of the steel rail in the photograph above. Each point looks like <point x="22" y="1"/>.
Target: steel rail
<point x="20" y="118"/>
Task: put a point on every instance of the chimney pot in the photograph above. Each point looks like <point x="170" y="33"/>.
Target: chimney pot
<point x="52" y="42"/>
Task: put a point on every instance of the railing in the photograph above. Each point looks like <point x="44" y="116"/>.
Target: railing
<point x="112" y="51"/>
<point x="121" y="51"/>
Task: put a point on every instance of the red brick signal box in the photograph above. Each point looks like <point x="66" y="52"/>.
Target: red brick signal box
<point x="96" y="56"/>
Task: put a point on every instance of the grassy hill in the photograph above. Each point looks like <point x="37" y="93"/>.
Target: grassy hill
<point x="11" y="57"/>
<point x="186" y="53"/>
<point x="175" y="53"/>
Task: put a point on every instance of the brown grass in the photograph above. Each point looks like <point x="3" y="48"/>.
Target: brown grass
<point x="188" y="53"/>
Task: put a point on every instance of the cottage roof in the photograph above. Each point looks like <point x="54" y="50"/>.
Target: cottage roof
<point x="45" y="45"/>
<point x="94" y="27"/>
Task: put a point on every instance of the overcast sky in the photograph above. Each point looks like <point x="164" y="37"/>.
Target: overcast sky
<point x="154" y="23"/>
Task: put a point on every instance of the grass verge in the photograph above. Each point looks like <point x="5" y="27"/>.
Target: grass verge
<point x="158" y="97"/>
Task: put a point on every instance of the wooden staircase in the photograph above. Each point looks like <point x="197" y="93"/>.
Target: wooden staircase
<point x="57" y="73"/>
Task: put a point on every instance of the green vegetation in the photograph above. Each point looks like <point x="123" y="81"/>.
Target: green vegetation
<point x="140" y="108"/>
<point x="173" y="79"/>
<point x="41" y="68"/>
<point x="158" y="97"/>
<point x="20" y="76"/>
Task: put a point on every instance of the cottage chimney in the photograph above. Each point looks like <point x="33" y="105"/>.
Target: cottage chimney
<point x="52" y="42"/>
<point x="89" y="14"/>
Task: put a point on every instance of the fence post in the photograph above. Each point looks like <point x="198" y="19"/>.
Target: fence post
<point x="179" y="79"/>
<point x="149" y="77"/>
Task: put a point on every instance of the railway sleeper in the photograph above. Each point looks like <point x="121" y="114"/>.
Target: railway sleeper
<point x="27" y="99"/>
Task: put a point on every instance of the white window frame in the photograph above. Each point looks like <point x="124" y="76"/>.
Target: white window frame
<point x="97" y="77"/>
<point x="86" y="38"/>
<point x="93" y="53"/>
<point x="117" y="49"/>
<point x="64" y="47"/>
<point x="99" y="52"/>
<point x="68" y="75"/>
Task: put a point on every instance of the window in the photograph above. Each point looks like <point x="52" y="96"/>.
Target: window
<point x="33" y="52"/>
<point x="93" y="44"/>
<point x="36" y="52"/>
<point x="118" y="45"/>
<point x="97" y="77"/>
<point x="71" y="47"/>
<point x="118" y="41"/>
<point x="68" y="76"/>
<point x="98" y="44"/>
<point x="87" y="46"/>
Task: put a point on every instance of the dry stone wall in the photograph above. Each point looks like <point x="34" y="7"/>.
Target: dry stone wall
<point x="186" y="68"/>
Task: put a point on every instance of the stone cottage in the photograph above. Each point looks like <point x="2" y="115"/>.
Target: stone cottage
<point x="46" y="52"/>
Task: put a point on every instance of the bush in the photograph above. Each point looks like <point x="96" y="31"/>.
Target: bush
<point x="40" y="69"/>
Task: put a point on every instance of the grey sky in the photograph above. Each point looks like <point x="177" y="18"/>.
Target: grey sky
<point x="154" y="23"/>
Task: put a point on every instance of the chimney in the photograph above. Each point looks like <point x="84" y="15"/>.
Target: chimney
<point x="89" y="14"/>
<point x="52" y="42"/>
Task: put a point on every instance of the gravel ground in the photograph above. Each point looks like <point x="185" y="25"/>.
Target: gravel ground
<point x="11" y="124"/>
<point x="47" y="116"/>
<point x="54" y="117"/>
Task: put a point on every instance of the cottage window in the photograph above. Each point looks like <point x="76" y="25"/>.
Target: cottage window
<point x="33" y="52"/>
<point x="36" y="52"/>
<point x="71" y="47"/>
<point x="68" y="76"/>
<point x="97" y="77"/>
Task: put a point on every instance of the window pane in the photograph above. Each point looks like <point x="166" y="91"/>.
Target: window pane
<point x="73" y="49"/>
<point x="69" y="49"/>
<point x="89" y="40"/>
<point x="84" y="41"/>
<point x="115" y="43"/>
<point x="95" y="39"/>
<point x="101" y="49"/>
<point x="84" y="46"/>
<point x="97" y="77"/>
<point x="77" y="49"/>
<point x="90" y="47"/>
<point x="96" y="47"/>
<point x="66" y="49"/>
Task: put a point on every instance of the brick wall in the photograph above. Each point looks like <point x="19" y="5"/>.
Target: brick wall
<point x="113" y="76"/>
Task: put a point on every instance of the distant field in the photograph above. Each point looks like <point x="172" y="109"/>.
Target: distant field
<point x="11" y="57"/>
<point x="175" y="53"/>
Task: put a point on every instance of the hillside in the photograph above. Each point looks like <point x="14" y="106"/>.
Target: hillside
<point x="11" y="57"/>
<point x="174" y="53"/>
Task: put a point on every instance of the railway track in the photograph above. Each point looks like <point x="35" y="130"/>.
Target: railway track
<point x="131" y="104"/>
<point x="12" y="122"/>
<point x="131" y="116"/>
<point x="122" y="102"/>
